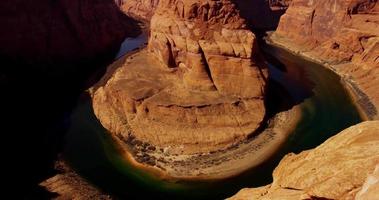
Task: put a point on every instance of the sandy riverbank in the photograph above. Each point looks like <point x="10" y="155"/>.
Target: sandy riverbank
<point x="366" y="108"/>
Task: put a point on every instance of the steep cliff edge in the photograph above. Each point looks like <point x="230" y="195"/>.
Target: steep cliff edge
<point x="337" y="169"/>
<point x="344" y="34"/>
<point x="197" y="89"/>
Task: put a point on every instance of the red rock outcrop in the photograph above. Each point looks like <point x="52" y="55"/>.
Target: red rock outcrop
<point x="337" y="169"/>
<point x="60" y="31"/>
<point x="140" y="9"/>
<point x="198" y="87"/>
<point x="341" y="33"/>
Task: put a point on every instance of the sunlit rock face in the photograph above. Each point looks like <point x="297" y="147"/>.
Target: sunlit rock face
<point x="340" y="168"/>
<point x="338" y="32"/>
<point x="199" y="86"/>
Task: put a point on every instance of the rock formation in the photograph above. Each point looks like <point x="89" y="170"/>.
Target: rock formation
<point x="198" y="87"/>
<point x="48" y="49"/>
<point x="61" y="31"/>
<point x="140" y="9"/>
<point x="260" y="14"/>
<point x="337" y="169"/>
<point x="342" y="33"/>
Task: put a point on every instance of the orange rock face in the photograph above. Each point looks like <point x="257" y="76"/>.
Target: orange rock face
<point x="343" y="33"/>
<point x="198" y="87"/>
<point x="340" y="168"/>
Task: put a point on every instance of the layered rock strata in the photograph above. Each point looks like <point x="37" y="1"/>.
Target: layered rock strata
<point x="344" y="34"/>
<point x="337" y="169"/>
<point x="197" y="88"/>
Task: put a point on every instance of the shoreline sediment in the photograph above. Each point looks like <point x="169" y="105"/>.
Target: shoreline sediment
<point x="241" y="157"/>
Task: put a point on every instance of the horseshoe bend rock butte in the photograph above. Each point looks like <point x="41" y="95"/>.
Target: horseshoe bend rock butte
<point x="343" y="33"/>
<point x="198" y="87"/>
<point x="343" y="167"/>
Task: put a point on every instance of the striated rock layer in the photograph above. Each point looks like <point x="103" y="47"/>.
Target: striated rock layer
<point x="342" y="33"/>
<point x="337" y="169"/>
<point x="197" y="88"/>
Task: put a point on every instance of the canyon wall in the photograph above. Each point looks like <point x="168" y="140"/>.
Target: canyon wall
<point x="201" y="87"/>
<point x="260" y="14"/>
<point x="342" y="33"/>
<point x="61" y="30"/>
<point x="49" y="50"/>
<point x="340" y="168"/>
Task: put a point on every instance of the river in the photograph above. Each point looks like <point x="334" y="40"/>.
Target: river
<point x="325" y="105"/>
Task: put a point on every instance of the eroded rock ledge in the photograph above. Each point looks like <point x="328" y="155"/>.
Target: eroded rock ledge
<point x="341" y="34"/>
<point x="198" y="88"/>
<point x="337" y="169"/>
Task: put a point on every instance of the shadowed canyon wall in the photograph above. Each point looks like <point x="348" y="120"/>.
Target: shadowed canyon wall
<point x="48" y="50"/>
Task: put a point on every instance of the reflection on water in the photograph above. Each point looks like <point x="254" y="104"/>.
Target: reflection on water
<point x="325" y="105"/>
<point x="130" y="44"/>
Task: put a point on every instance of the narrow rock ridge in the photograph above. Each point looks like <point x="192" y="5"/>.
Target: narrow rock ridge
<point x="337" y="169"/>
<point x="348" y="42"/>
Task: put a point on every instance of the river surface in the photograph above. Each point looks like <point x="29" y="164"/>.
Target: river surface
<point x="326" y="107"/>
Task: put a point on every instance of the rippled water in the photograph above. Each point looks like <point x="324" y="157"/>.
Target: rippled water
<point x="325" y="105"/>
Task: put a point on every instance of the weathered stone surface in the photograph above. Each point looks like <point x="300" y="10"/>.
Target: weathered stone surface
<point x="140" y="9"/>
<point x="370" y="189"/>
<point x="198" y="87"/>
<point x="342" y="33"/>
<point x="337" y="169"/>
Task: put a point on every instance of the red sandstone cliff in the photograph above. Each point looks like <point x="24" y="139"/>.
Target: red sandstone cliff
<point x="342" y="33"/>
